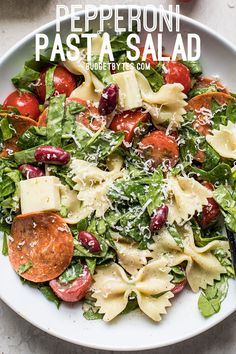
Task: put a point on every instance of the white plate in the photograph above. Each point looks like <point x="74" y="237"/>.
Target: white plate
<point x="133" y="331"/>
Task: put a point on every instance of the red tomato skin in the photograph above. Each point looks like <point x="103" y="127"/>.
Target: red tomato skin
<point x="178" y="73"/>
<point x="159" y="147"/>
<point x="26" y="103"/>
<point x="127" y="121"/>
<point x="211" y="211"/>
<point x="74" y="291"/>
<point x="179" y="287"/>
<point x="63" y="81"/>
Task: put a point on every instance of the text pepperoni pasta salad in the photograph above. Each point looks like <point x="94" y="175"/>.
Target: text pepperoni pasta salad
<point x="118" y="182"/>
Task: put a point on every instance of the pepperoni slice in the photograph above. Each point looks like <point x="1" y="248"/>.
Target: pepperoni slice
<point x="43" y="239"/>
<point x="128" y="121"/>
<point x="160" y="147"/>
<point x="20" y="124"/>
<point x="201" y="105"/>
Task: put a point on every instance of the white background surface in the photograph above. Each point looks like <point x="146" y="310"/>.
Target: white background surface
<point x="18" y="18"/>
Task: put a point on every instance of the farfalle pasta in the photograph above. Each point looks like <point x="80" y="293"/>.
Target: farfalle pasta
<point x="202" y="266"/>
<point x="224" y="140"/>
<point x="187" y="196"/>
<point x="112" y="288"/>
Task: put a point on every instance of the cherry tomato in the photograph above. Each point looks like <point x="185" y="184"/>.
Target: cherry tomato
<point x="91" y="117"/>
<point x="211" y="211"/>
<point x="75" y="290"/>
<point x="159" y="147"/>
<point x="178" y="73"/>
<point x="63" y="81"/>
<point x="128" y="121"/>
<point x="26" y="103"/>
<point x="179" y="287"/>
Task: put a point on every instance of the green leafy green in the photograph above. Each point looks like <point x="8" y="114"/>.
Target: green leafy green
<point x="199" y="91"/>
<point x="228" y="205"/>
<point x="210" y="299"/>
<point x="25" y="78"/>
<point x="49" y="84"/>
<point x="178" y="274"/>
<point x="154" y="78"/>
<point x="131" y="305"/>
<point x="173" y="230"/>
<point x="55" y="119"/>
<point x="49" y="294"/>
<point x="71" y="273"/>
<point x="4" y="245"/>
<point x="6" y="129"/>
<point x="91" y="314"/>
<point x="24" y="267"/>
<point x="75" y="107"/>
<point x="224" y="257"/>
<point x="24" y="156"/>
<point x="194" y="66"/>
<point x="101" y="69"/>
<point x="34" y="136"/>
<point x="219" y="174"/>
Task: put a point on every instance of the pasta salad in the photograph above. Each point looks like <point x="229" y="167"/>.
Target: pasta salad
<point x="118" y="182"/>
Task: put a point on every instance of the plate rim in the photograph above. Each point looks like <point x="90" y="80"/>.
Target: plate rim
<point x="51" y="332"/>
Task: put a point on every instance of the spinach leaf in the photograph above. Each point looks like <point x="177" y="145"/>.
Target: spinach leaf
<point x="203" y="237"/>
<point x="71" y="273"/>
<point x="210" y="299"/>
<point x="219" y="174"/>
<point x="24" y="267"/>
<point x="25" y="78"/>
<point x="101" y="69"/>
<point x="50" y="295"/>
<point x="131" y="305"/>
<point x="5" y="229"/>
<point x="228" y="205"/>
<point x="49" y="84"/>
<point x="91" y="264"/>
<point x="173" y="230"/>
<point x="54" y="119"/>
<point x="199" y="91"/>
<point x="34" y="136"/>
<point x="154" y="78"/>
<point x="195" y="67"/>
<point x="24" y="156"/>
<point x="7" y="131"/>
<point x="101" y="145"/>
<point x="224" y="257"/>
<point x="178" y="275"/>
<point x="92" y="314"/>
<point x="119" y="42"/>
<point x="75" y="108"/>
<point x="212" y="158"/>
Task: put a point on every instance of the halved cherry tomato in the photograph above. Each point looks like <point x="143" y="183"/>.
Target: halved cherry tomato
<point x="91" y="117"/>
<point x="128" y="121"/>
<point x="63" y="81"/>
<point x="177" y="72"/>
<point x="160" y="147"/>
<point x="201" y="105"/>
<point x="26" y="103"/>
<point x="179" y="287"/>
<point x="204" y="82"/>
<point x="75" y="290"/>
<point x="211" y="211"/>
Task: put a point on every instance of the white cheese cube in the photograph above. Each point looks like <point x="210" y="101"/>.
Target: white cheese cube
<point x="129" y="94"/>
<point x="40" y="194"/>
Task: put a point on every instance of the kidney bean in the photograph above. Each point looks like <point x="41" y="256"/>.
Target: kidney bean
<point x="159" y="218"/>
<point x="89" y="241"/>
<point x="179" y="287"/>
<point x="52" y="155"/>
<point x="108" y="100"/>
<point x="30" y="171"/>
